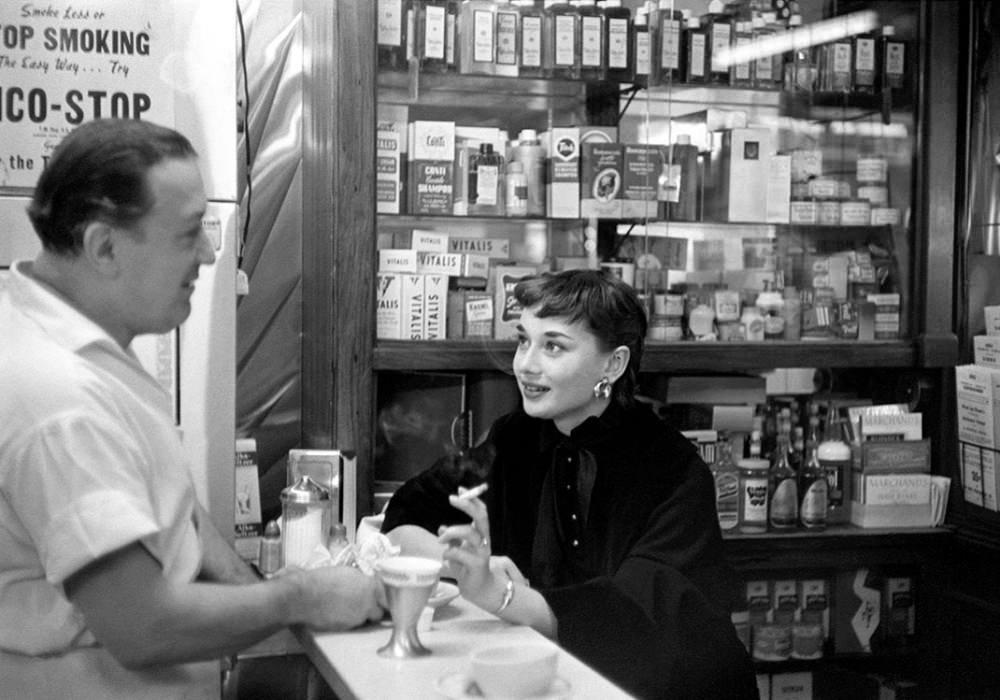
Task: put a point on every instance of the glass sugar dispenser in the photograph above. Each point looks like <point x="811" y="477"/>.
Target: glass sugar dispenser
<point x="305" y="520"/>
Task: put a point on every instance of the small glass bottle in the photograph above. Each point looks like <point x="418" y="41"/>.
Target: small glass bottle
<point x="726" y="476"/>
<point x="269" y="557"/>
<point x="834" y="454"/>
<point x="753" y="495"/>
<point x="337" y="541"/>
<point x="435" y="22"/>
<point x="530" y="153"/>
<point x="517" y="190"/>
<point x="619" y="48"/>
<point x="835" y="66"/>
<point x="784" y="510"/>
<point x="592" y="66"/>
<point x="486" y="188"/>
<point x="767" y="68"/>
<point x="800" y="67"/>
<point x="696" y="52"/>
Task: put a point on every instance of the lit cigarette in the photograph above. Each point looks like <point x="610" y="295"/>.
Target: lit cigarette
<point x="474" y="492"/>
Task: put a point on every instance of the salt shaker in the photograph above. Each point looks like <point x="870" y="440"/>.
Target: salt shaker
<point x="305" y="514"/>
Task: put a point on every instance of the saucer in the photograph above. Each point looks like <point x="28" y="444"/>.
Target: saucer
<point x="443" y="594"/>
<point x="458" y="686"/>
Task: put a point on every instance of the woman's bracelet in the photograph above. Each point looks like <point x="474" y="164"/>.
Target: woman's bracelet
<point x="508" y="596"/>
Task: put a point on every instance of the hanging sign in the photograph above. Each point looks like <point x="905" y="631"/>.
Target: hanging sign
<point x="64" y="63"/>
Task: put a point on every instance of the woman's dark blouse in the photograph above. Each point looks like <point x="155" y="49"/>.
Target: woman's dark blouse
<point x="637" y="581"/>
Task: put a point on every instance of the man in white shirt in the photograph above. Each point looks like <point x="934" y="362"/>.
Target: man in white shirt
<point x="114" y="583"/>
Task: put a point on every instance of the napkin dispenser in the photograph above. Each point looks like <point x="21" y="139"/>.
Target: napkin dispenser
<point x="336" y="471"/>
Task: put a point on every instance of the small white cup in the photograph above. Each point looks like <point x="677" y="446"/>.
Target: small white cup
<point x="510" y="671"/>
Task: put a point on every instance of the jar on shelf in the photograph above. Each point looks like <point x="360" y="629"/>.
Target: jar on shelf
<point x="305" y="520"/>
<point x="753" y="495"/>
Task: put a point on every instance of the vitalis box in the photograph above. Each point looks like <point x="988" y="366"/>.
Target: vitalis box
<point x="431" y="168"/>
<point x="388" y="304"/>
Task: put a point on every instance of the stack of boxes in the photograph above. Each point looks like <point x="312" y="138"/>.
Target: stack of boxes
<point x="978" y="395"/>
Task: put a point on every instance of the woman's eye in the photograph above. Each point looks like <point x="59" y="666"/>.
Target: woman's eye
<point x="522" y="340"/>
<point x="553" y="347"/>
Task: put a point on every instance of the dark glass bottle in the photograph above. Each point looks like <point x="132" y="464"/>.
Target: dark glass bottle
<point x="893" y="58"/>
<point x="394" y="22"/>
<point x="561" y="42"/>
<point x="669" y="50"/>
<point x="719" y="29"/>
<point x="864" y="64"/>
<point x="643" y="42"/>
<point x="619" y="48"/>
<point x="435" y="43"/>
<point x="486" y="182"/>
<point x="531" y="30"/>
<point x="726" y="476"/>
<point x="592" y="66"/>
<point x="695" y="52"/>
<point x="741" y="74"/>
<point x="508" y="34"/>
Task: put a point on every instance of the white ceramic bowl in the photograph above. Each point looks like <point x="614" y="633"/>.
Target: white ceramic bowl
<point x="409" y="571"/>
<point x="510" y="671"/>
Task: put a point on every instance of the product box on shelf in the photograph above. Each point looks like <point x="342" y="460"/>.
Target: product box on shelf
<point x="792" y="685"/>
<point x="642" y="166"/>
<point x="470" y="313"/>
<point x="986" y="351"/>
<point x="467" y="141"/>
<point x="247" y="515"/>
<point x="412" y="306"/>
<point x="506" y="310"/>
<point x="449" y="264"/>
<point x="435" y="307"/>
<point x="779" y="189"/>
<point x="390" y="158"/>
<point x="389" y="305"/>
<point x="563" y="172"/>
<point x="977" y="392"/>
<point x="900" y="612"/>
<point x="424" y="241"/>
<point x="741" y="164"/>
<point x="601" y="172"/>
<point x="886" y="315"/>
<point x="397" y="260"/>
<point x="431" y="167"/>
<point x="991" y="314"/>
<point x="980" y="485"/>
<point x="492" y="248"/>
<point x="857" y="609"/>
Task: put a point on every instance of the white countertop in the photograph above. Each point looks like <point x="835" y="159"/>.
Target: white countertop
<point x="349" y="662"/>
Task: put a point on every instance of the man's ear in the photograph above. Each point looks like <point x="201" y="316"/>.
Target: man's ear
<point x="99" y="243"/>
<point x="617" y="362"/>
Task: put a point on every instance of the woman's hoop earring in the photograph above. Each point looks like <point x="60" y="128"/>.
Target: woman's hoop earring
<point x="602" y="390"/>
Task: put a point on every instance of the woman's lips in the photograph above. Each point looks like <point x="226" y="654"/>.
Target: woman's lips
<point x="532" y="390"/>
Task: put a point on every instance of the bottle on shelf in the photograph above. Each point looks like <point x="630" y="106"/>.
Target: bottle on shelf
<point x="864" y="64"/>
<point x="561" y="41"/>
<point x="486" y="182"/>
<point x="834" y="454"/>
<point x="767" y="67"/>
<point x="395" y="19"/>
<point x="784" y="494"/>
<point x="753" y="495"/>
<point x="797" y="456"/>
<point x="668" y="50"/>
<point x="435" y="41"/>
<point x="741" y="74"/>
<point x="529" y="152"/>
<point x="814" y="488"/>
<point x="477" y="37"/>
<point x="592" y="34"/>
<point x="507" y="26"/>
<point x="679" y="188"/>
<point x="772" y="306"/>
<point x="696" y="52"/>
<point x="893" y="57"/>
<point x="800" y="65"/>
<point x="643" y="41"/>
<point x="531" y="29"/>
<point x="337" y="541"/>
<point x="719" y="28"/>
<point x="619" y="48"/>
<point x="726" y="476"/>
<point x="792" y="312"/>
<point x="516" y="199"/>
<point x="835" y="66"/>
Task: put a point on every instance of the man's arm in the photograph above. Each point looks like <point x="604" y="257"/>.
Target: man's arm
<point x="145" y="620"/>
<point x="219" y="562"/>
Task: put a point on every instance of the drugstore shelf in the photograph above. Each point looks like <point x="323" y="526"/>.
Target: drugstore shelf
<point x="488" y="354"/>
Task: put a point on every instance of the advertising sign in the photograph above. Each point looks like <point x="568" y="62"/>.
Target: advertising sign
<point x="63" y="63"/>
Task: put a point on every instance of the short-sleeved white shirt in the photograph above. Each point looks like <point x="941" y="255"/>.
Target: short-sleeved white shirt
<point x="90" y="461"/>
